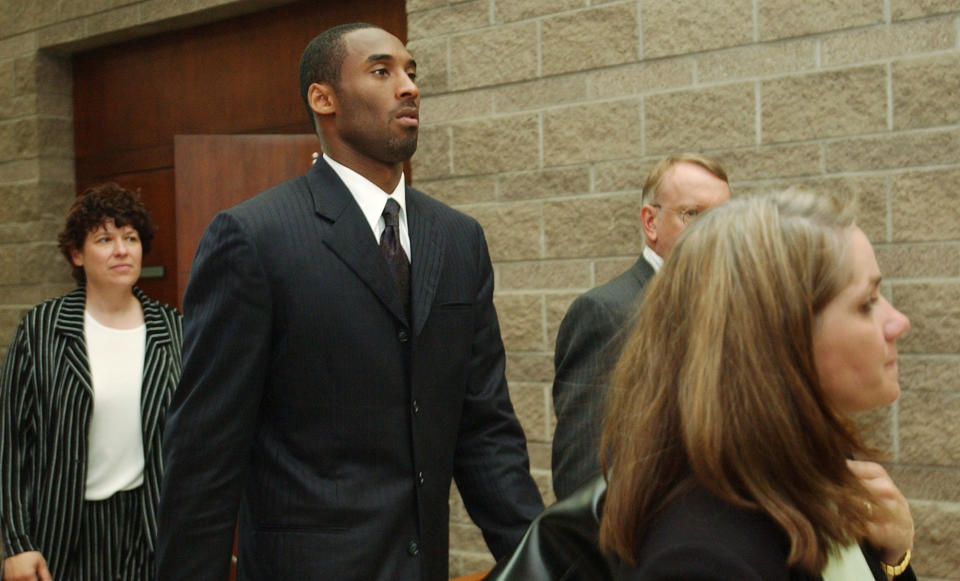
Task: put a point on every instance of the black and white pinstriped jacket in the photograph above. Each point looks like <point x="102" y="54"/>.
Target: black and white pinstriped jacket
<point x="45" y="405"/>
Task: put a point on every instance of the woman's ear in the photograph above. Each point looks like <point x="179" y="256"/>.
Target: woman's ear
<point x="76" y="257"/>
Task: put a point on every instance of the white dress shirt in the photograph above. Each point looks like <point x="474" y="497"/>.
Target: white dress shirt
<point x="372" y="199"/>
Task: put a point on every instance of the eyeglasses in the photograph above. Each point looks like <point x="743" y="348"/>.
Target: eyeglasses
<point x="686" y="216"/>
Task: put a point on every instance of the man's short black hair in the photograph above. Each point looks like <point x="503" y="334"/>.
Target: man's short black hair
<point x="323" y="57"/>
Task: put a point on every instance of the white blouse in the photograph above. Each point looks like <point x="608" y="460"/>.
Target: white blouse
<point x="115" y="439"/>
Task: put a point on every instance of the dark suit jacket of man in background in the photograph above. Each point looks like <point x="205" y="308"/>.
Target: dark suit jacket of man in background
<point x="588" y="345"/>
<point x="310" y="400"/>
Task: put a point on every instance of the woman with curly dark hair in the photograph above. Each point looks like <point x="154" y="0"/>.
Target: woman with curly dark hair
<point x="732" y="452"/>
<point x="83" y="394"/>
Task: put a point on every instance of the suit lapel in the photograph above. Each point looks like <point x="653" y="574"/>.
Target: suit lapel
<point x="69" y="323"/>
<point x="156" y="370"/>
<point x="349" y="236"/>
<point x="427" y="249"/>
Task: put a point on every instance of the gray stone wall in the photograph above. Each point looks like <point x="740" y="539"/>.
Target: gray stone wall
<point x="542" y="117"/>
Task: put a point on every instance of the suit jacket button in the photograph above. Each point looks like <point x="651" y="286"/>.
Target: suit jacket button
<point x="413" y="548"/>
<point x="402" y="335"/>
<point x="420" y="479"/>
<point x="416" y="407"/>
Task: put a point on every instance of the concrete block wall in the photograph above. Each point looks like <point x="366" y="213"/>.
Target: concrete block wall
<point x="542" y="117"/>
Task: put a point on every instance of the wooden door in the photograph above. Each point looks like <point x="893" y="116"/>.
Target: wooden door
<point x="214" y="172"/>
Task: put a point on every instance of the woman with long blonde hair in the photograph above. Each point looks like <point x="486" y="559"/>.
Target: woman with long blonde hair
<point x="730" y="440"/>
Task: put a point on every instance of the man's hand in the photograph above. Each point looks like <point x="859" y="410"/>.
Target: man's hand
<point x="28" y="566"/>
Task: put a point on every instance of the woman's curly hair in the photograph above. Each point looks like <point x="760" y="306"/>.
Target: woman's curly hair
<point x="92" y="208"/>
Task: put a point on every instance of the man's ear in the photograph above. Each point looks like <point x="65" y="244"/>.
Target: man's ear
<point x="648" y="216"/>
<point x="322" y="99"/>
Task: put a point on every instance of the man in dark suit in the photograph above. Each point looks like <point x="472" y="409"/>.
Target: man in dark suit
<point x="332" y="388"/>
<point x="591" y="334"/>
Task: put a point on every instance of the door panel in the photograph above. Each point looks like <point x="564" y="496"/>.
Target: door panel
<point x="214" y="172"/>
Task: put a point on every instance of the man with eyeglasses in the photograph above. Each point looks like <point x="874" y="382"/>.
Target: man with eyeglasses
<point x="676" y="190"/>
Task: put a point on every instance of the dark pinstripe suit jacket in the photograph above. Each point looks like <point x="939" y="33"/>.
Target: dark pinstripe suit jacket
<point x="45" y="402"/>
<point x="588" y="346"/>
<point x="313" y="405"/>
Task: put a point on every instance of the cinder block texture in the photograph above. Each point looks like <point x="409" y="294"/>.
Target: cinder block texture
<point x="786" y="18"/>
<point x="771" y="162"/>
<point x="113" y="21"/>
<point x="548" y="183"/>
<point x="469" y="190"/>
<point x="606" y="270"/>
<point x="510" y="11"/>
<point x="19" y="45"/>
<point x="521" y="317"/>
<point x="641" y="78"/>
<point x="448" y="19"/>
<point x="17" y="16"/>
<point x="686" y="26"/>
<point x="900" y="150"/>
<point x="432" y="70"/>
<point x="918" y="260"/>
<point x="541" y="93"/>
<point x="930" y="373"/>
<point x="701" y="119"/>
<point x="513" y="230"/>
<point x="6" y="79"/>
<point x="600" y="226"/>
<point x="934" y="311"/>
<point x="557" y="306"/>
<point x="757" y="61"/>
<point x="592" y="132"/>
<point x="44" y="73"/>
<point x="530" y="402"/>
<point x="930" y="429"/>
<point x="927" y="482"/>
<point x="938" y="527"/>
<point x="876" y="427"/>
<point x="452" y="106"/>
<point x="418" y="5"/>
<point x="496" y="145"/>
<point x="526" y="366"/>
<point x="78" y="8"/>
<point x="434" y="154"/>
<point x="883" y="42"/>
<point x="493" y="55"/>
<point x="926" y="92"/>
<point x="590" y="38"/>
<point x="925" y="205"/>
<point x="845" y="102"/>
<point x="622" y="175"/>
<point x="903" y="9"/>
<point x="555" y="274"/>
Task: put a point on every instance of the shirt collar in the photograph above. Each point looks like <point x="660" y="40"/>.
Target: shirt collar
<point x="653" y="258"/>
<point x="368" y="195"/>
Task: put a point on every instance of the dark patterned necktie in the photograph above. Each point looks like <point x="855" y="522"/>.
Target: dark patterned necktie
<point x="393" y="251"/>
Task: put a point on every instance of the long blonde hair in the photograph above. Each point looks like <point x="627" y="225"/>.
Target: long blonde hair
<point x="717" y="384"/>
